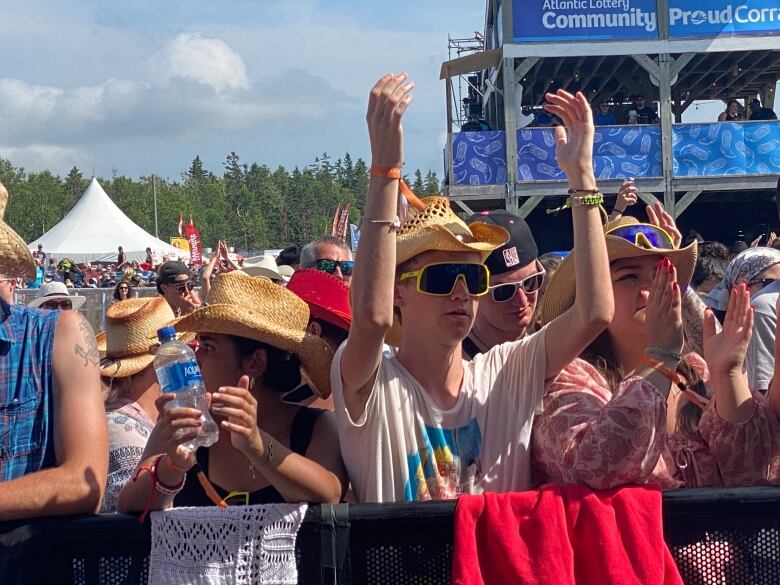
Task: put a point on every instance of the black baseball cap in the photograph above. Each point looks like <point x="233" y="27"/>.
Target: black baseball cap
<point x="289" y="256"/>
<point x="521" y="248"/>
<point x="170" y="270"/>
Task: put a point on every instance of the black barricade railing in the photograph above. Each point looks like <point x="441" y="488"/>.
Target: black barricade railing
<point x="729" y="536"/>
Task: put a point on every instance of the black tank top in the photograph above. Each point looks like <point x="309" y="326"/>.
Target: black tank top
<point x="300" y="437"/>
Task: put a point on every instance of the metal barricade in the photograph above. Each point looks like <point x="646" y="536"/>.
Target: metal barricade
<point x="98" y="300"/>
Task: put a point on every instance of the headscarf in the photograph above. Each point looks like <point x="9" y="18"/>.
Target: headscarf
<point x="744" y="267"/>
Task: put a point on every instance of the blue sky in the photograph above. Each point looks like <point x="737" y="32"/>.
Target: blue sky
<point x="144" y="86"/>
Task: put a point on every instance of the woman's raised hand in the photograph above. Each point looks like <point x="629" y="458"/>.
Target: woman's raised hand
<point x="239" y="408"/>
<point x="174" y="427"/>
<point x="627" y="196"/>
<point x="574" y="145"/>
<point x="725" y="351"/>
<point x="663" y="313"/>
<point x="387" y="102"/>
<point x="657" y="215"/>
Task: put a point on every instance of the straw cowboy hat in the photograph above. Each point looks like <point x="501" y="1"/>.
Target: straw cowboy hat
<point x="437" y="228"/>
<point x="16" y="260"/>
<point x="256" y="308"/>
<point x="560" y="293"/>
<point x="54" y="291"/>
<point x="262" y="266"/>
<point x="126" y="341"/>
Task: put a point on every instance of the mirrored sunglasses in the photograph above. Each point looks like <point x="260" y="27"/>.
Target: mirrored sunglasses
<point x="330" y="266"/>
<point x="644" y="235"/>
<point x="441" y="278"/>
<point x="503" y="293"/>
<point x="58" y="304"/>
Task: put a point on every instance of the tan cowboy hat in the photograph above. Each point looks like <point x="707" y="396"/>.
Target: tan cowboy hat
<point x="126" y="341"/>
<point x="16" y="260"/>
<point x="262" y="266"/>
<point x="437" y="228"/>
<point x="560" y="293"/>
<point x="256" y="308"/>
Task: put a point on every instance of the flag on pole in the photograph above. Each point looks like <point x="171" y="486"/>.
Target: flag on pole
<point x="181" y="225"/>
<point x="341" y="230"/>
<point x="354" y="236"/>
<point x="336" y="218"/>
<point x="196" y="246"/>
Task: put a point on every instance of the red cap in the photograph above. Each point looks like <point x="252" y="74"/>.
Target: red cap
<point x="326" y="295"/>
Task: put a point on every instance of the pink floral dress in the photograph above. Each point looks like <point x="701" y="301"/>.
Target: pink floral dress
<point x="589" y="435"/>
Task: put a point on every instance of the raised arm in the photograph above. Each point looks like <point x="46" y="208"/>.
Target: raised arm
<point x="75" y="485"/>
<point x="627" y="196"/>
<point x="572" y="332"/>
<point x="208" y="270"/>
<point x="373" y="279"/>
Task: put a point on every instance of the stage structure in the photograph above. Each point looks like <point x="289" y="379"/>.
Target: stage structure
<point x="673" y="52"/>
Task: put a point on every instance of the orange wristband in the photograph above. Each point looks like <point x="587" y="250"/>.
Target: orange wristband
<point x="393" y="173"/>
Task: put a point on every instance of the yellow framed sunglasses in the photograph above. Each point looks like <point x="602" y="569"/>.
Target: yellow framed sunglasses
<point x="439" y="279"/>
<point x="644" y="235"/>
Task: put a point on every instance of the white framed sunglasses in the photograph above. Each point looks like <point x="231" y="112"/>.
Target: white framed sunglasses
<point x="505" y="292"/>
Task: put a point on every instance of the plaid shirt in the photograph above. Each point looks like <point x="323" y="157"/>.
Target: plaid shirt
<point x="26" y="435"/>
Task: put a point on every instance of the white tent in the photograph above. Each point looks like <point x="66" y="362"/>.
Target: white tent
<point x="94" y="229"/>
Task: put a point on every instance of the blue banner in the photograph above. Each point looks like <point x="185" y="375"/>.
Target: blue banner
<point x="727" y="149"/>
<point x="574" y="20"/>
<point x="619" y="152"/>
<point x="479" y="158"/>
<point x="709" y="18"/>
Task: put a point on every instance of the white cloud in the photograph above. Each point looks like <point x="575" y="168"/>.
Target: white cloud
<point x="208" y="61"/>
<point x="57" y="159"/>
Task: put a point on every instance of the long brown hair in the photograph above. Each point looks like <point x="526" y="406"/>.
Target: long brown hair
<point x="601" y="355"/>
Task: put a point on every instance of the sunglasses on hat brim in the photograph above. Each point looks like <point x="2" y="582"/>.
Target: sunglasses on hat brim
<point x="439" y="279"/>
<point x="505" y="292"/>
<point x="644" y="235"/>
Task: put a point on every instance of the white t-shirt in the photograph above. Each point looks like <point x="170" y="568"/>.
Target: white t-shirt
<point x="405" y="448"/>
<point x="760" y="358"/>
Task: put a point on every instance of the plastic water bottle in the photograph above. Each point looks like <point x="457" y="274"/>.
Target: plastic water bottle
<point x="179" y="374"/>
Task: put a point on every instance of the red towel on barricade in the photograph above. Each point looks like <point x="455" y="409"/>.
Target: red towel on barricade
<point x="562" y="535"/>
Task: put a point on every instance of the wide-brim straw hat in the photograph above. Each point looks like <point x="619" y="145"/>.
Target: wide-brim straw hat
<point x="126" y="341"/>
<point x="438" y="228"/>
<point x="561" y="289"/>
<point x="256" y="308"/>
<point x="16" y="260"/>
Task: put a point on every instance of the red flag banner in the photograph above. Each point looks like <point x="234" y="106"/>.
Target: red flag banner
<point x="196" y="247"/>
<point x="341" y="230"/>
<point x="336" y="217"/>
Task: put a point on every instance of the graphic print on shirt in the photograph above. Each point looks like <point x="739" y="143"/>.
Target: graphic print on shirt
<point x="447" y="463"/>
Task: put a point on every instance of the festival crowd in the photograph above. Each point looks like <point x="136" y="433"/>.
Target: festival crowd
<point x="448" y="357"/>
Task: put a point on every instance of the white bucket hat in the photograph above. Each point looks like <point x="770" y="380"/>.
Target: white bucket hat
<point x="262" y="266"/>
<point x="52" y="291"/>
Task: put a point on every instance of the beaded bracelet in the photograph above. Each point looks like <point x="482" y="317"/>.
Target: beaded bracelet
<point x="168" y="490"/>
<point x="586" y="200"/>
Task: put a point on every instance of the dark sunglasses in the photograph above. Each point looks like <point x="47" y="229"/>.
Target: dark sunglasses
<point x="62" y="304"/>
<point x="440" y="279"/>
<point x="503" y="293"/>
<point x="184" y="287"/>
<point x="644" y="235"/>
<point x="330" y="266"/>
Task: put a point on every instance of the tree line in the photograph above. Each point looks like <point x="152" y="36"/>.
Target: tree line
<point x="252" y="207"/>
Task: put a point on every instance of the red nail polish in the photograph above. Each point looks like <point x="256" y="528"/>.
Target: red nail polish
<point x="675" y="286"/>
<point x="671" y="268"/>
